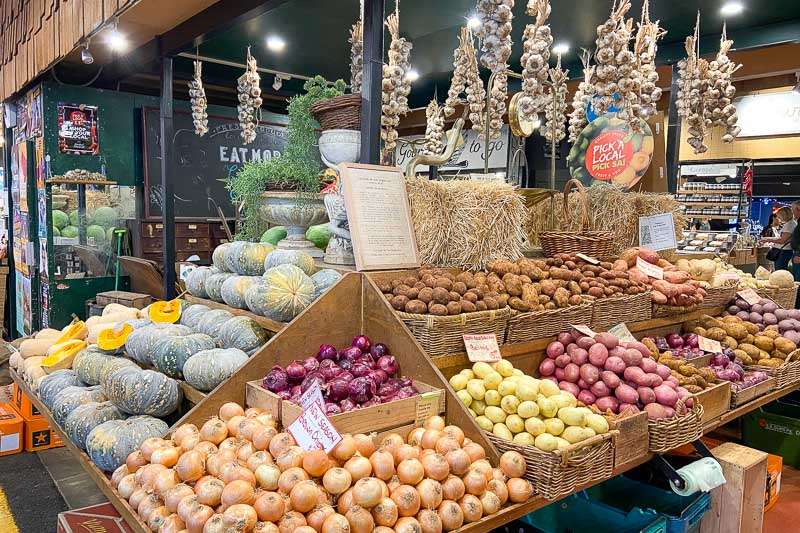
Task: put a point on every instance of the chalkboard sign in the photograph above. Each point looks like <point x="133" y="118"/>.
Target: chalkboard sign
<point x="202" y="164"/>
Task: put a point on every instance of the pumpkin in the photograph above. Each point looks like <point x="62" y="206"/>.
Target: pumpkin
<point x="232" y="254"/>
<point x="142" y="392"/>
<point x="192" y="314"/>
<point x="218" y="257"/>
<point x="76" y="330"/>
<point x="47" y="333"/>
<point x="301" y="260"/>
<point x="112" y="339"/>
<point x="60" y="356"/>
<point x="165" y="312"/>
<point x="254" y="297"/>
<point x="137" y="323"/>
<point x="114" y="317"/>
<point x="248" y="258"/>
<point x="211" y="322"/>
<point x="170" y="354"/>
<point x="243" y="333"/>
<point x="235" y="288"/>
<point x="141" y="342"/>
<point x="288" y="291"/>
<point x="214" y="285"/>
<point x="71" y="397"/>
<point x="207" y="369"/>
<point x="110" y="443"/>
<point x="323" y="280"/>
<point x="86" y="417"/>
<point x="92" y="365"/>
<point x="196" y="280"/>
<point x="54" y="383"/>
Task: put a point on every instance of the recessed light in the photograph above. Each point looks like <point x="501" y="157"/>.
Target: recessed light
<point x="474" y="22"/>
<point x="561" y="48"/>
<point x="117" y="41"/>
<point x="731" y="8"/>
<point x="412" y="75"/>
<point x="275" y="43"/>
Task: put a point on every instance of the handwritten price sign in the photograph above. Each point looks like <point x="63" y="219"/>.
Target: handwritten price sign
<point x="312" y="395"/>
<point x="650" y="269"/>
<point x="709" y="345"/>
<point x="482" y="348"/>
<point x="313" y="430"/>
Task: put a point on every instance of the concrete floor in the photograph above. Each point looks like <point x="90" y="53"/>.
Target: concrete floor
<point x="72" y="481"/>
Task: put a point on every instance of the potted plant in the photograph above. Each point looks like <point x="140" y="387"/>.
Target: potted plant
<point x="285" y="190"/>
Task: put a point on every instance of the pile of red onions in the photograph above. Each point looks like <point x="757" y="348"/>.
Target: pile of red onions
<point x="683" y="346"/>
<point x="360" y="375"/>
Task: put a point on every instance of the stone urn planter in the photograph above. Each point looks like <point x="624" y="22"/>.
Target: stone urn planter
<point x="338" y="146"/>
<point x="282" y="208"/>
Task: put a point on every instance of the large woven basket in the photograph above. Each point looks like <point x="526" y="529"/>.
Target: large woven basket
<point x="598" y="244"/>
<point x="665" y="311"/>
<point x="786" y="374"/>
<point x="719" y="296"/>
<point x="339" y="113"/>
<point x="785" y="296"/>
<point x="442" y="335"/>
<point x="556" y="474"/>
<point x="523" y="327"/>
<point x="608" y="312"/>
<point x="672" y="432"/>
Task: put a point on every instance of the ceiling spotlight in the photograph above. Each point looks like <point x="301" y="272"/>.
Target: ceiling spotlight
<point x="116" y="40"/>
<point x="412" y="75"/>
<point x="796" y="87"/>
<point x="561" y="48"/>
<point x="86" y="56"/>
<point x="275" y="43"/>
<point x="473" y="22"/>
<point x="731" y="8"/>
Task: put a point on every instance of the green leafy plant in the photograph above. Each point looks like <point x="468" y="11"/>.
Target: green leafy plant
<point x="296" y="169"/>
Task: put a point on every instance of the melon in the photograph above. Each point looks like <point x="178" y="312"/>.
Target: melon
<point x="104" y="216"/>
<point x="73" y="217"/>
<point x="319" y="235"/>
<point x="274" y="235"/>
<point x="96" y="233"/>
<point x="60" y="219"/>
<point x="234" y="289"/>
<point x="301" y="260"/>
<point x="323" y="280"/>
<point x="69" y="231"/>
<point x="287" y="292"/>
<point x="55" y="231"/>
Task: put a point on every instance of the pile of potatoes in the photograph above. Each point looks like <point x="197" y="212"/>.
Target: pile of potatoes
<point x="751" y="346"/>
<point x="689" y="377"/>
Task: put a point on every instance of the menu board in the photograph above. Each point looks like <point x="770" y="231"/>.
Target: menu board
<point x="77" y="129"/>
<point x="379" y="217"/>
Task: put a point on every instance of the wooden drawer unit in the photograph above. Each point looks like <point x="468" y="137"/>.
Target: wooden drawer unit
<point x="158" y="257"/>
<point x="190" y="244"/>
<point x="152" y="244"/>
<point x="218" y="230"/>
<point x="194" y="229"/>
<point x="152" y="229"/>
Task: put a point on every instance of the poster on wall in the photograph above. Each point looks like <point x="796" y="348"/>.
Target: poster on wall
<point x="23" y="304"/>
<point x="610" y="151"/>
<point x="77" y="129"/>
<point x="22" y="177"/>
<point x="35" y="111"/>
<point x="44" y="291"/>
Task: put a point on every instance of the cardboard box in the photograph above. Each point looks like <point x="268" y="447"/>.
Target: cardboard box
<point x="11" y="430"/>
<point x="130" y="299"/>
<point x="102" y="517"/>
<point x="24" y="406"/>
<point x="39" y="436"/>
<point x="774" y="469"/>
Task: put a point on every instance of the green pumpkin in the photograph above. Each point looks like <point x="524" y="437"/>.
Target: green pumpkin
<point x="301" y="260"/>
<point x="192" y="313"/>
<point x="232" y="254"/>
<point x="248" y="259"/>
<point x="254" y="297"/>
<point x="214" y="285"/>
<point x="141" y="342"/>
<point x="324" y="280"/>
<point x="195" y="281"/>
<point x="110" y="443"/>
<point x="211" y="322"/>
<point x="288" y="292"/>
<point x="234" y="289"/>
<point x="142" y="392"/>
<point x="92" y="366"/>
<point x="71" y="397"/>
<point x="86" y="417"/>
<point x="218" y="257"/>
<point x="207" y="369"/>
<point x="243" y="333"/>
<point x="54" y="383"/>
<point x="170" y="354"/>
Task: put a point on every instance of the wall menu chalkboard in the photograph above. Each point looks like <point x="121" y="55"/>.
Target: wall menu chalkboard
<point x="202" y="164"/>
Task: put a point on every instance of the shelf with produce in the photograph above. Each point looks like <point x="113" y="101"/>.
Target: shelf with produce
<point x="716" y="217"/>
<point x="706" y="204"/>
<point x="735" y="192"/>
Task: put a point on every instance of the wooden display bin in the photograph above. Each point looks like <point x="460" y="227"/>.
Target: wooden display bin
<point x="715" y="400"/>
<point x="632" y="442"/>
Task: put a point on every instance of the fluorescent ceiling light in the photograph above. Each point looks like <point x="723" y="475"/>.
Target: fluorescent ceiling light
<point x="412" y="75"/>
<point x="474" y="22"/>
<point x="731" y="8"/>
<point x="275" y="43"/>
<point x="561" y="48"/>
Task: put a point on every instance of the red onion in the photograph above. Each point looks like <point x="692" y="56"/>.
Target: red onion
<point x="674" y="340"/>
<point x="326" y="351"/>
<point x="388" y="364"/>
<point x="370" y="403"/>
<point x="296" y="371"/>
<point x="345" y="363"/>
<point x="328" y="370"/>
<point x="311" y="364"/>
<point x="347" y="405"/>
<point x="690" y="340"/>
<point x="345" y="376"/>
<point x="310" y="379"/>
<point x="361" y="342"/>
<point x="276" y="380"/>
<point x="332" y="409"/>
<point x="405" y="392"/>
<point x="378" y="377"/>
<point x="338" y="390"/>
<point x="379" y="350"/>
<point x="351" y="352"/>
<point x="296" y="390"/>
<point x="360" y="369"/>
<point x="361" y="389"/>
<point x="284" y="395"/>
<point x="388" y="388"/>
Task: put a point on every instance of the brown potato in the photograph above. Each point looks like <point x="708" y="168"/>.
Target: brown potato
<point x="491" y="303"/>
<point x="460" y="287"/>
<point x="399" y="302"/>
<point x="467" y="306"/>
<point x="417" y="307"/>
<point x="480" y="305"/>
<point x="454" y="308"/>
<point x="438" y="310"/>
<point x="444" y="283"/>
<point x="441" y="295"/>
<point x="425" y="294"/>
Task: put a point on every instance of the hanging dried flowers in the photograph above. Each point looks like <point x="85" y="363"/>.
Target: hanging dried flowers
<point x="537" y="40"/>
<point x="556" y="109"/>
<point x="582" y="98"/>
<point x="249" y="108"/>
<point x="434" y="129"/>
<point x="356" y="56"/>
<point x="495" y="30"/>
<point x="197" y="96"/>
<point x="396" y="86"/>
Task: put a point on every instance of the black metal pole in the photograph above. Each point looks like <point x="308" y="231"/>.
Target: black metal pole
<point x="673" y="134"/>
<point x="168" y="207"/>
<point x="11" y="279"/>
<point x="371" y="82"/>
<point x="82" y="214"/>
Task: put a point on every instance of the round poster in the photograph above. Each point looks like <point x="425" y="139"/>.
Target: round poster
<point x="608" y="150"/>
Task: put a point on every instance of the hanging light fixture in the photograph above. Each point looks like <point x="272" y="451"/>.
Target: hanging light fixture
<point x="86" y="55"/>
<point x="796" y="87"/>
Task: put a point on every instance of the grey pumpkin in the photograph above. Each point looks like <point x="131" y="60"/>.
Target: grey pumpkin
<point x="192" y="313"/>
<point x="84" y="418"/>
<point x="211" y="322"/>
<point x="71" y="397"/>
<point x="214" y="285"/>
<point x="196" y="281"/>
<point x="243" y="333"/>
<point x="142" y="392"/>
<point x="94" y="366"/>
<point x="141" y="342"/>
<point x="207" y="369"/>
<point x="54" y="383"/>
<point x="170" y="354"/>
<point x="110" y="443"/>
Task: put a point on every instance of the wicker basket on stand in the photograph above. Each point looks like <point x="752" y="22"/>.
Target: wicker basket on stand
<point x="524" y="327"/>
<point x="339" y="113"/>
<point x="719" y="296"/>
<point x="784" y="296"/>
<point x="598" y="244"/>
<point x="443" y="335"/>
<point x="664" y="311"/>
<point x="669" y="433"/>
<point x="608" y="312"/>
<point x="786" y="374"/>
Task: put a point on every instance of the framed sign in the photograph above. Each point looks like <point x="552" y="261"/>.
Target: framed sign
<point x="379" y="217"/>
<point x="77" y="129"/>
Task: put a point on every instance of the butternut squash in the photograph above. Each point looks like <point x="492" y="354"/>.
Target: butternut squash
<point x="128" y="313"/>
<point x="114" y="337"/>
<point x="47" y="333"/>
<point x="60" y="356"/>
<point x="35" y="347"/>
<point x="76" y="330"/>
<point x="115" y="308"/>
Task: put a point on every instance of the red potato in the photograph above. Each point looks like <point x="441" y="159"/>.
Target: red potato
<point x="634" y="274"/>
<point x="636" y="345"/>
<point x="547" y="367"/>
<point x="598" y="354"/>
<point x="585" y="342"/>
<point x="608" y="340"/>
<point x="608" y="403"/>
<point x="632" y="357"/>
<point x="565" y="338"/>
<point x="676" y="276"/>
<point x="569" y="387"/>
<point x="648" y="255"/>
<point x="600" y="389"/>
<point x="616" y="351"/>
<point x="663" y="371"/>
<point x="631" y="408"/>
<point x="579" y="356"/>
<point x="590" y="374"/>
<point x="559" y="374"/>
<point x="627" y="394"/>
<point x="656" y="411"/>
<point x="634" y="374"/>
<point x="586" y="397"/>
<point x="654" y="380"/>
<point x="646" y="395"/>
<point x="666" y="395"/>
<point x="572" y="373"/>
<point x="563" y="360"/>
<point x="610" y="379"/>
<point x="582" y="384"/>
<point x="649" y="365"/>
<point x="615" y="364"/>
<point x="554" y="349"/>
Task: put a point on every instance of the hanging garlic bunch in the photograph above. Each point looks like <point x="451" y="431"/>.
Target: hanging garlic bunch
<point x="611" y="41"/>
<point x="249" y="88"/>
<point x="537" y="40"/>
<point x="581" y="99"/>
<point x="476" y="93"/>
<point x="555" y="112"/>
<point x="197" y="96"/>
<point x="719" y="97"/>
<point x="396" y="86"/>
<point x="458" y="82"/>
<point x="645" y="73"/>
<point x="434" y="129"/>
<point x="356" y="56"/>
<point x="628" y="80"/>
<point x="692" y="83"/>
<point x="495" y="30"/>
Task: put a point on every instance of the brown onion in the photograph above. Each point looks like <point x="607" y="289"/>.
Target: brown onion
<point x="269" y="506"/>
<point x="447" y="444"/>
<point x="118" y="474"/>
<point x="471" y="507"/>
<point x="215" y="524"/>
<point x="453" y="488"/>
<point x="197" y="518"/>
<point x="316" y="518"/>
<point x="240" y="517"/>
<point x="430" y="493"/>
<point x="265" y="527"/>
<point x="345" y="449"/>
<point x="429" y="439"/>
<point x="252" y="412"/>
<point x="166" y="456"/>
<point x="337" y="480"/>
<point x="189" y="442"/>
<point x="245" y="450"/>
<point x="434" y="422"/>
<point x="148" y="504"/>
<point x="267" y="420"/>
<point x="290" y="478"/>
<point x="382" y="463"/>
<point x="475" y="483"/>
<point x="174" y="496"/>
<point x="415" y="436"/>
<point x="407" y="524"/>
<point x="172" y="524"/>
<point x="359" y="467"/>
<point x="410" y="471"/>
<point x="435" y="466"/>
<point x="405" y="451"/>
<point x="393" y="483"/>
<point x="490" y="503"/>
<point x="391" y="442"/>
<point x="499" y="475"/>
<point x="519" y="490"/>
<point x="146" y="475"/>
<point x="475" y="451"/>
<point x="233" y="424"/>
<point x="267" y="476"/>
<point x="407" y="499"/>
<point x="429" y="521"/>
<point x="385" y="513"/>
<point x="135" y="461"/>
<point x="382" y="529"/>
<point x="345" y="501"/>
<point x="367" y="492"/>
<point x="231" y="443"/>
<point x="459" y="461"/>
<point x="229" y="410"/>
<point x="303" y="496"/>
<point x="280" y="443"/>
<point x="241" y="473"/>
<point x="484" y="467"/>
<point x="257" y="459"/>
<point x="454" y="432"/>
<point x="291" y="521"/>
<point x="126" y="486"/>
<point x="185" y="507"/>
<point x="364" y="444"/>
<point x="214" y="461"/>
<point x="157" y="518"/>
<point x="316" y="463"/>
<point x="336" y="523"/>
<point x="360" y="520"/>
<point x="499" y="488"/>
<point x="209" y="490"/>
<point x="165" y="480"/>
<point x="136" y="497"/>
<point x="451" y="515"/>
<point x="205" y="447"/>
<point x="512" y="464"/>
<point x="305" y="529"/>
<point x="262" y="437"/>
<point x="214" y="431"/>
<point x="237" y="491"/>
<point x="150" y="444"/>
<point x="246" y="428"/>
<point x="183" y="431"/>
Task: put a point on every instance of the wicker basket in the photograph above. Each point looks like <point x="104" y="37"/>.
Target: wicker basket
<point x="664" y="311"/>
<point x="599" y="244"/>
<point x="523" y="327"/>
<point x="556" y="474"/>
<point x="786" y="374"/>
<point x="785" y="297"/>
<point x="442" y="335"/>
<point x="719" y="296"/>
<point x="339" y="113"/>
<point x="672" y="432"/>
<point x="608" y="312"/>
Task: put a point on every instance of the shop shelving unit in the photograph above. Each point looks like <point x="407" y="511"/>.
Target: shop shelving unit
<point x="695" y="192"/>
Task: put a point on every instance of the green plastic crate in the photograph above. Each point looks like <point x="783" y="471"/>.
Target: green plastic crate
<point x="774" y="428"/>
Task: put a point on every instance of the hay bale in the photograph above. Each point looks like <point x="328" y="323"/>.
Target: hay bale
<point x="611" y="208"/>
<point x="462" y="223"/>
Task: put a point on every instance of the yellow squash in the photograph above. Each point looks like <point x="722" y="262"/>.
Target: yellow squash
<point x="114" y="338"/>
<point x="76" y="330"/>
<point x="167" y="312"/>
<point x="61" y="355"/>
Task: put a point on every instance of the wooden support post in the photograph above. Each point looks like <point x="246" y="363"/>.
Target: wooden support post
<point x="371" y="82"/>
<point x="167" y="152"/>
<point x="673" y="134"/>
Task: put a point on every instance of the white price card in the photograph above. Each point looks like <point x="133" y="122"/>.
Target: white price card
<point x="482" y="348"/>
<point x="427" y="406"/>
<point x="589" y="259"/>
<point x="313" y="431"/>
<point x="312" y="395"/>
<point x="657" y="232"/>
<point x="750" y="296"/>
<point x="622" y="332"/>
<point x="584" y="329"/>
<point x="709" y="345"/>
<point x="649" y="268"/>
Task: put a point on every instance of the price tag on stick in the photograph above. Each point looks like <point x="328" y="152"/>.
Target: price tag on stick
<point x="588" y="259"/>
<point x="622" y="332"/>
<point x="709" y="345"/>
<point x="649" y="268"/>
<point x="482" y="348"/>
<point x="312" y="395"/>
<point x="750" y="296"/>
<point x="313" y="431"/>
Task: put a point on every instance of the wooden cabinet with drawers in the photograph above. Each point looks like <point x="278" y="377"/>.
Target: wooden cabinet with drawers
<point x="191" y="238"/>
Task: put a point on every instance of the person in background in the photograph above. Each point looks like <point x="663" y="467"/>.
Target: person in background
<point x="783" y="242"/>
<point x="795" y="243"/>
<point x="772" y="229"/>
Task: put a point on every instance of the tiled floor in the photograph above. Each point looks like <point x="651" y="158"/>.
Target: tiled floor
<point x="74" y="484"/>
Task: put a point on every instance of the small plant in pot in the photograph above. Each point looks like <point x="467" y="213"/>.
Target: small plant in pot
<point x="285" y="190"/>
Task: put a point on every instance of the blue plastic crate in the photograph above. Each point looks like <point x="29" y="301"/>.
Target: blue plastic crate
<point x="622" y="505"/>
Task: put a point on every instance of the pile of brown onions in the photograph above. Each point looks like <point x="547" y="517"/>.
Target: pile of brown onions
<point x="238" y="473"/>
